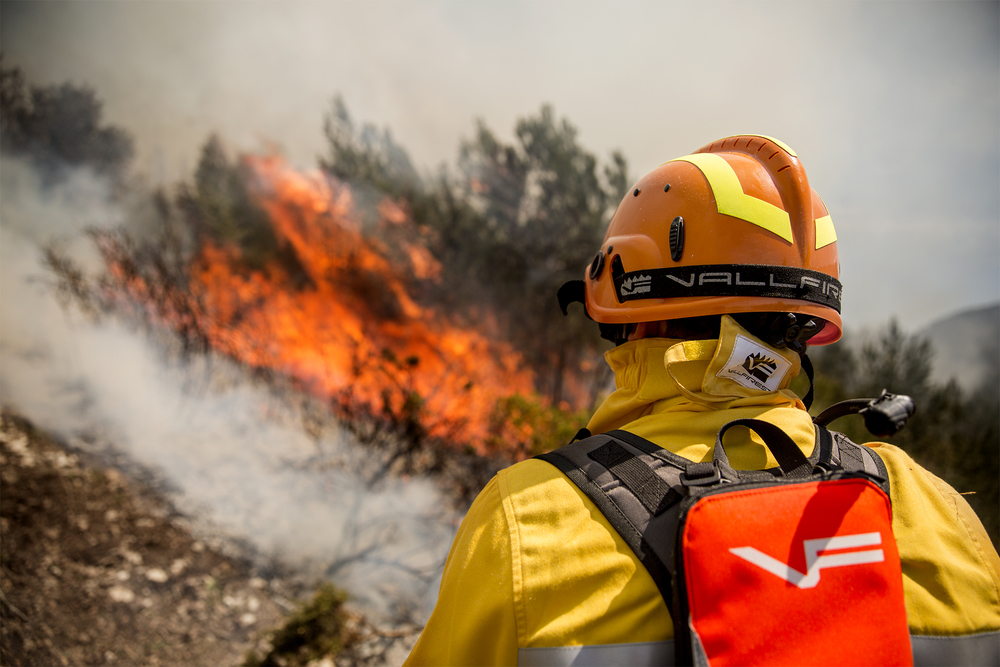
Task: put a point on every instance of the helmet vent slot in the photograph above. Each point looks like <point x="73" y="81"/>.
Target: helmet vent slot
<point x="677" y="238"/>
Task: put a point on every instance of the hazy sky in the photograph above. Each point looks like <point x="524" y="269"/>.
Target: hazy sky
<point x="893" y="107"/>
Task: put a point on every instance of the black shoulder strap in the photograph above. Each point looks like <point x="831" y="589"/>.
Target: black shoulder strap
<point x="637" y="492"/>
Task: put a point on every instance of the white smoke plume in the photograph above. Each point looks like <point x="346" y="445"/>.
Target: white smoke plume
<point x="233" y="455"/>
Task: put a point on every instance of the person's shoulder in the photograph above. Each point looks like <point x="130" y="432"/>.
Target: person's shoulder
<point x="536" y="488"/>
<point x="907" y="477"/>
<point x="892" y="454"/>
<point x="943" y="546"/>
<point x="531" y="476"/>
<point x="909" y="481"/>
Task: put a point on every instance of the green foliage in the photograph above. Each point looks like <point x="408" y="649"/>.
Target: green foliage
<point x="366" y="155"/>
<point x="544" y="212"/>
<point x="953" y="434"/>
<point x="220" y="207"/>
<point x="315" y="630"/>
<point x="536" y="426"/>
<point x="59" y="126"/>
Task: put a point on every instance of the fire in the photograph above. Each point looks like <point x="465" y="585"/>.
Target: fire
<point x="354" y="332"/>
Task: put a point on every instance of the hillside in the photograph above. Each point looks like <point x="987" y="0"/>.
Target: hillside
<point x="122" y="581"/>
<point x="965" y="344"/>
<point x="100" y="569"/>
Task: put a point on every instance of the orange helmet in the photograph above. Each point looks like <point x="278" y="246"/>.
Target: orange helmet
<point x="733" y="228"/>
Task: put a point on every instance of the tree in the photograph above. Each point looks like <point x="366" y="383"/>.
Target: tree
<point x="219" y="207"/>
<point x="14" y="108"/>
<point x="367" y="155"/>
<point x="545" y="208"/>
<point x="976" y="462"/>
<point x="60" y="126"/>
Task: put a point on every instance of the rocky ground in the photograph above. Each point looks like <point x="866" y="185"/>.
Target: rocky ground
<point x="97" y="570"/>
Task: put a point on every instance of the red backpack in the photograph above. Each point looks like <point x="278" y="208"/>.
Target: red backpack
<point x="795" y="565"/>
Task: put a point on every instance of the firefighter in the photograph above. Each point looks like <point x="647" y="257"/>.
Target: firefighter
<point x="717" y="271"/>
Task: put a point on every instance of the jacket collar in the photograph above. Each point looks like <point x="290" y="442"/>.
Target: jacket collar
<point x="666" y="375"/>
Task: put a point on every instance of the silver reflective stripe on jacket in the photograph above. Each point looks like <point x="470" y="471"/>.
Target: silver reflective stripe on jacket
<point x="978" y="649"/>
<point x="639" y="653"/>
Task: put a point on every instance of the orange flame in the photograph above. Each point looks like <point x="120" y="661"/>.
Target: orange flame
<point x="355" y="334"/>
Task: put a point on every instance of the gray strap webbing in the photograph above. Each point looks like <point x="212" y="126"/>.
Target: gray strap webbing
<point x="978" y="649"/>
<point x="638" y="653"/>
<point x="856" y="458"/>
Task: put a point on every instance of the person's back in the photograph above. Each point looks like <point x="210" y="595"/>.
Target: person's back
<point x="716" y="271"/>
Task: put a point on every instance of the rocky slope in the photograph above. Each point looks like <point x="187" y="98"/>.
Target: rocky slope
<point x="95" y="570"/>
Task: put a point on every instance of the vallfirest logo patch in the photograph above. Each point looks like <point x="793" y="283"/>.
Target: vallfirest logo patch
<point x="760" y="367"/>
<point x="636" y="285"/>
<point x="754" y="366"/>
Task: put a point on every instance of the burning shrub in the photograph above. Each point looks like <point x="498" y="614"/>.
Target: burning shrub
<point x="426" y="306"/>
<point x="518" y="221"/>
<point x="221" y="210"/>
<point x="354" y="332"/>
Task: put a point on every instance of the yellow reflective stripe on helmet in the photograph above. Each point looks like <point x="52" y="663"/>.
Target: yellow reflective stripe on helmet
<point x="731" y="199"/>
<point x="825" y="233"/>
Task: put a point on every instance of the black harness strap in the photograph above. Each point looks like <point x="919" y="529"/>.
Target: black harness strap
<point x="630" y="494"/>
<point x="654" y="494"/>
<point x="790" y="458"/>
<point x="611" y="511"/>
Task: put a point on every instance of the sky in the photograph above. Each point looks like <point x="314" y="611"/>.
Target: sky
<point x="893" y="107"/>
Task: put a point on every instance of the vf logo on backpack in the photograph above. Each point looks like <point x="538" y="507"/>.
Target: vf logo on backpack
<point x="816" y="562"/>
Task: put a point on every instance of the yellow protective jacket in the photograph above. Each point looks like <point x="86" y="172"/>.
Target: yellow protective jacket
<point x="537" y="575"/>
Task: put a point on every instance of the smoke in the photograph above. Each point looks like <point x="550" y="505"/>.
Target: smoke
<point x="232" y="455"/>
